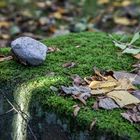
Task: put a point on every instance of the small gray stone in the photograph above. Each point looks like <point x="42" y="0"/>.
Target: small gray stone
<point x="29" y="51"/>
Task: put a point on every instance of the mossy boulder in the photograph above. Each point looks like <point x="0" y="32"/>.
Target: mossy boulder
<point x="32" y="84"/>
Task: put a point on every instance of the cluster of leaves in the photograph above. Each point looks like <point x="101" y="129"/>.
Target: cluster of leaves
<point x="110" y="89"/>
<point x="40" y="19"/>
<point x="129" y="47"/>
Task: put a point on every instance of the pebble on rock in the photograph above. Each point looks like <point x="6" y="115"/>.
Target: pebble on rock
<point x="29" y="51"/>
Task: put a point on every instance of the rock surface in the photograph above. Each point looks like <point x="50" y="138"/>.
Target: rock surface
<point x="29" y="51"/>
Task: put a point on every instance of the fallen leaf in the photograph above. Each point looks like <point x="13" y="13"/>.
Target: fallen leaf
<point x="5" y="36"/>
<point x="97" y="92"/>
<point x="125" y="84"/>
<point x="76" y="90"/>
<point x="5" y="58"/>
<point x="131" y="51"/>
<point x="76" y="110"/>
<point x="92" y="124"/>
<point x="137" y="56"/>
<point x="132" y="115"/>
<point x="95" y="105"/>
<point x="103" y="2"/>
<point x="126" y="3"/>
<point x="123" y="3"/>
<point x="102" y="84"/>
<point x="126" y="116"/>
<point x="79" y="98"/>
<point x="5" y="24"/>
<point x="134" y="78"/>
<point x="135" y="38"/>
<point x="57" y="15"/>
<point x="123" y="98"/>
<point x="69" y="65"/>
<point x="136" y="94"/>
<point x="101" y="91"/>
<point x="107" y="103"/>
<point x="120" y="45"/>
<point x="52" y="49"/>
<point x="97" y="72"/>
<point x="125" y="21"/>
<point x="77" y="80"/>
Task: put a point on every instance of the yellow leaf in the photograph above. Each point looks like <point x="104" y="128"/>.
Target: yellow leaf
<point x="125" y="3"/>
<point x="94" y="84"/>
<point x="125" y="84"/>
<point x="4" y="24"/>
<point x="123" y="98"/>
<point x="125" y="21"/>
<point x="97" y="92"/>
<point x="102" y="84"/>
<point x="101" y="91"/>
<point x="103" y="1"/>
<point x="108" y="84"/>
<point x="57" y="15"/>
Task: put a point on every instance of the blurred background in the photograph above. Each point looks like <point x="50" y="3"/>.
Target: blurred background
<point x="49" y="18"/>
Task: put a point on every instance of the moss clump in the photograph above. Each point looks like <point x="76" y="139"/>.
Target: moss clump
<point x="96" y="49"/>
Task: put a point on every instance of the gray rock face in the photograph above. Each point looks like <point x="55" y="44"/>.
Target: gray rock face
<point x="29" y="51"/>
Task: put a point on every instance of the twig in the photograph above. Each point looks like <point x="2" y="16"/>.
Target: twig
<point x="7" y="112"/>
<point x="21" y="113"/>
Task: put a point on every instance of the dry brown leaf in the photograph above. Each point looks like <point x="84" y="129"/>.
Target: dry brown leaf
<point x="107" y="103"/>
<point x="126" y="116"/>
<point x="76" y="110"/>
<point x="136" y="94"/>
<point x="97" y="72"/>
<point x="134" y="78"/>
<point x="132" y="115"/>
<point x="92" y="124"/>
<point x="77" y="80"/>
<point x="5" y="58"/>
<point x="125" y="21"/>
<point x="123" y="98"/>
<point x="69" y="65"/>
<point x="95" y="106"/>
<point x="52" y="49"/>
<point x="137" y="56"/>
<point x="79" y="98"/>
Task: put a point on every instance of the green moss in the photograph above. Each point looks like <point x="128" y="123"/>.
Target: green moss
<point x="96" y="49"/>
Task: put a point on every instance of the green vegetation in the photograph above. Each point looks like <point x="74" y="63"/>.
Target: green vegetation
<point x="96" y="49"/>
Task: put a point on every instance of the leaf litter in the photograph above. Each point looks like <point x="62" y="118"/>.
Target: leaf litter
<point x="110" y="90"/>
<point x="5" y="58"/>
